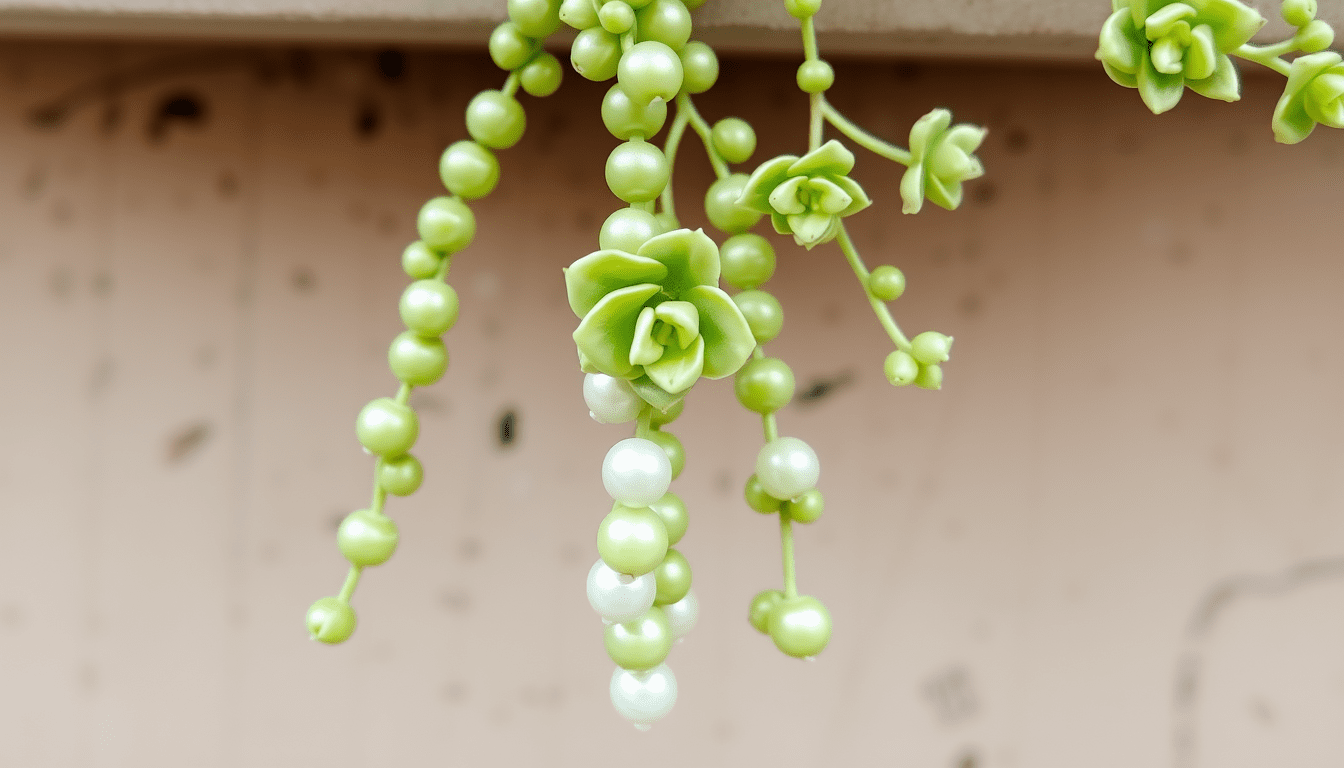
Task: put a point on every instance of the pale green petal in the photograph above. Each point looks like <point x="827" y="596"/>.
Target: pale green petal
<point x="691" y="258"/>
<point x="810" y="229"/>
<point x="728" y="339"/>
<point x="780" y="223"/>
<point x="655" y="395"/>
<point x="1121" y="78"/>
<point x="678" y="369"/>
<point x="1121" y="44"/>
<point x="763" y="180"/>
<point x="643" y="349"/>
<point x="1291" y="123"/>
<point x="965" y="137"/>
<point x="1159" y="91"/>
<point x="785" y="197"/>
<point x="606" y="333"/>
<point x="601" y="272"/>
<point x="1223" y="85"/>
<point x="830" y="159"/>
<point x="950" y="162"/>
<point x="682" y="316"/>
<point x="856" y="194"/>
<point x="912" y="189"/>
<point x="926" y="129"/>
<point x="828" y="196"/>
<point x="1201" y="59"/>
<point x="1168" y="56"/>
<point x="1233" y="24"/>
<point x="944" y="193"/>
<point x="1163" y="21"/>
<point x="1323" y="98"/>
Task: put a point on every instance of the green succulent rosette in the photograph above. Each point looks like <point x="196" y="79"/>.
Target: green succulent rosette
<point x="806" y="196"/>
<point x="1314" y="94"/>
<point x="657" y="317"/>
<point x="1160" y="47"/>
<point x="940" y="160"/>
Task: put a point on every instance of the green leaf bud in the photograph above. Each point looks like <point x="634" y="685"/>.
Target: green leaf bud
<point x="901" y="369"/>
<point x="1299" y="13"/>
<point x="1314" y="37"/>
<point x="930" y="377"/>
<point x="931" y="347"/>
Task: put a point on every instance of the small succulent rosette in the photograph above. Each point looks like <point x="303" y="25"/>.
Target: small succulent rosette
<point x="1160" y="47"/>
<point x="1314" y="94"/>
<point x="806" y="196"/>
<point x="657" y="317"/>
<point x="940" y="160"/>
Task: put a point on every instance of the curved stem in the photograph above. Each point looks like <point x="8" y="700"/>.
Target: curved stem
<point x="862" y="137"/>
<point x="644" y="427"/>
<point x="702" y="129"/>
<point x="1268" y="55"/>
<point x="674" y="135"/>
<point x="879" y="306"/>
<point x="511" y="84"/>
<point x="786" y="544"/>
<point x="351" y="581"/>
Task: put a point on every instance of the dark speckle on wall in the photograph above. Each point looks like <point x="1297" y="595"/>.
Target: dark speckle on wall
<point x="187" y="441"/>
<point x="368" y="120"/>
<point x="180" y="108"/>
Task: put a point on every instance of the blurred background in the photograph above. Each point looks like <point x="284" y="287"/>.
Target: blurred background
<point x="1114" y="539"/>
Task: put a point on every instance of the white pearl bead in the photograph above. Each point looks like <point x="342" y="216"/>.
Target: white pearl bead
<point x="610" y="400"/>
<point x="643" y="697"/>
<point x="636" y="472"/>
<point x="681" y="615"/>
<point x="786" y="467"/>
<point x="617" y="597"/>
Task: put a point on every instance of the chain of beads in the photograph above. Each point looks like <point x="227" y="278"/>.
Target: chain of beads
<point x="388" y="427"/>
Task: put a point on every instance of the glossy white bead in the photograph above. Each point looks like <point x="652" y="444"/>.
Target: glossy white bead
<point x="643" y="697"/>
<point x="682" y="615"/>
<point x="786" y="467"/>
<point x="610" y="400"/>
<point x="619" y="597"/>
<point x="636" y="472"/>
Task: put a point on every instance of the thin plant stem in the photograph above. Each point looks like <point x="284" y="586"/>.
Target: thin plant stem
<point x="1268" y="55"/>
<point x="674" y="135"/>
<point x="702" y="129"/>
<point x="786" y="544"/>
<point x="862" y="137"/>
<point x="879" y="306"/>
<point x="351" y="581"/>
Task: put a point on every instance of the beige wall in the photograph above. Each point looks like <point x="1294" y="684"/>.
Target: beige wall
<point x="1115" y="539"/>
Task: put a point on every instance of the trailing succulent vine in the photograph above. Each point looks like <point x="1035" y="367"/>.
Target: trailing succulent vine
<point x="653" y="318"/>
<point x="1162" y="47"/>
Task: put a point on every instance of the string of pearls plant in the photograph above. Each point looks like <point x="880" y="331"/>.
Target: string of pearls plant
<point x="653" y="319"/>
<point x="1162" y="47"/>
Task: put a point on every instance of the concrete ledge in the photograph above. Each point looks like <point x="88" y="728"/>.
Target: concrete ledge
<point x="1024" y="29"/>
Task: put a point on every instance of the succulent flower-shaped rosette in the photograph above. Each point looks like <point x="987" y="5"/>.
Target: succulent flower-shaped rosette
<point x="657" y="317"/>
<point x="806" y="196"/>
<point x="1160" y="47"/>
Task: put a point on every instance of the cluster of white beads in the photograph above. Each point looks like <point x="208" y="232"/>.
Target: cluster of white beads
<point x="636" y="473"/>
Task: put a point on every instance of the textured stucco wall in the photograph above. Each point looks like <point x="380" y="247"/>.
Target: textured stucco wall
<point x="1039" y="29"/>
<point x="1114" y="540"/>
